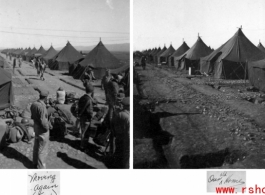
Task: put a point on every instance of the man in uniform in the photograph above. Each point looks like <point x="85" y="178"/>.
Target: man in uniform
<point x="104" y="83"/>
<point x="85" y="111"/>
<point x="41" y="127"/>
<point x="113" y="91"/>
<point x="14" y="65"/>
<point x="88" y="76"/>
<point x="122" y="131"/>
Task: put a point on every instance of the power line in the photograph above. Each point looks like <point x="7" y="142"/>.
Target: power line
<point x="104" y="32"/>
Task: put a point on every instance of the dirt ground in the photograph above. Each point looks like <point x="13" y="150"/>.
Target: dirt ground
<point x="187" y="123"/>
<point x="64" y="153"/>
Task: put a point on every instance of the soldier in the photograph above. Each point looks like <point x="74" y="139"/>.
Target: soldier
<point x="104" y="83"/>
<point x="14" y="65"/>
<point x="85" y="112"/>
<point x="19" y="61"/>
<point x="113" y="91"/>
<point x="122" y="131"/>
<point x="42" y="66"/>
<point x="88" y="76"/>
<point x="143" y="62"/>
<point x="41" y="127"/>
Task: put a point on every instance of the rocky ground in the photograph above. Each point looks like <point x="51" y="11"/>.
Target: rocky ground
<point x="64" y="153"/>
<point x="183" y="123"/>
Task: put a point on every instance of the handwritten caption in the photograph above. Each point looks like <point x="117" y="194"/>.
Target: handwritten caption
<point x="236" y="179"/>
<point x="42" y="183"/>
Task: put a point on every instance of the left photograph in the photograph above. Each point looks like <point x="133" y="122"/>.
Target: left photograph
<point x="64" y="84"/>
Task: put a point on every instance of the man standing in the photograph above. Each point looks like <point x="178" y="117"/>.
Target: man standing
<point x="42" y="69"/>
<point x="122" y="132"/>
<point x="19" y="61"/>
<point x="143" y="62"/>
<point x="113" y="91"/>
<point x="85" y="112"/>
<point x="14" y="65"/>
<point x="104" y="83"/>
<point x="41" y="127"/>
<point x="88" y="76"/>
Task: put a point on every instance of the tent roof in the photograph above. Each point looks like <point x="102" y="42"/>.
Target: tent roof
<point x="120" y="69"/>
<point x="68" y="54"/>
<point x="168" y="52"/>
<point x="156" y="52"/>
<point x="41" y="51"/>
<point x="237" y="49"/>
<point x="181" y="50"/>
<point x="198" y="50"/>
<point x="261" y="47"/>
<point x="50" y="53"/>
<point x="153" y="51"/>
<point x="31" y="52"/>
<point x="100" y="57"/>
<point x="160" y="52"/>
<point x="26" y="51"/>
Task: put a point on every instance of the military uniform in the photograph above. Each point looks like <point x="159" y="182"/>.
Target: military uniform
<point x="113" y="91"/>
<point x="104" y="85"/>
<point x="85" y="110"/>
<point x="122" y="133"/>
<point x="41" y="127"/>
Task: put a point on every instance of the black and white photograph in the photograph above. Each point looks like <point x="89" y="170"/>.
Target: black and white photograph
<point x="64" y="84"/>
<point x="198" y="84"/>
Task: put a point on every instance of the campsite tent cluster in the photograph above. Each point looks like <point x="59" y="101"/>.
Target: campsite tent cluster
<point x="67" y="59"/>
<point x="70" y="59"/>
<point x="238" y="58"/>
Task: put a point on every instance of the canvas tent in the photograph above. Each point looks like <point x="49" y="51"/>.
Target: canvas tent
<point x="49" y="55"/>
<point x="151" y="54"/>
<point x="25" y="52"/>
<point x="40" y="52"/>
<point x="229" y="60"/>
<point x="261" y="47"/>
<point x="67" y="56"/>
<point x="178" y="52"/>
<point x="30" y="54"/>
<point x="100" y="59"/>
<point x="191" y="58"/>
<point x="165" y="55"/>
<point x="156" y="58"/>
<point x="6" y="91"/>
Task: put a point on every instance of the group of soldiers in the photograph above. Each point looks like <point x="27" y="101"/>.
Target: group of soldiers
<point x="40" y="66"/>
<point x="15" y="59"/>
<point x="116" y="117"/>
<point x="44" y="111"/>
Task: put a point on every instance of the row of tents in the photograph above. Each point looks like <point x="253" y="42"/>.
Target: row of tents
<point x="67" y="59"/>
<point x="100" y="58"/>
<point x="238" y="58"/>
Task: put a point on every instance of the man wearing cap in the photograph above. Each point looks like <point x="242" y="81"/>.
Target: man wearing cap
<point x="41" y="127"/>
<point x="113" y="91"/>
<point x="85" y="111"/>
<point x="121" y="120"/>
<point x="104" y="83"/>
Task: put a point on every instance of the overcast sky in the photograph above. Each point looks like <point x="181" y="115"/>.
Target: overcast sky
<point x="159" y="22"/>
<point x="100" y="16"/>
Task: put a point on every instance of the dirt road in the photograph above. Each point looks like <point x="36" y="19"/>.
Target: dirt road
<point x="65" y="153"/>
<point x="191" y="126"/>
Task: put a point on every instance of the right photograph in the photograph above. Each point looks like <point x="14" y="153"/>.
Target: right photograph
<point x="199" y="84"/>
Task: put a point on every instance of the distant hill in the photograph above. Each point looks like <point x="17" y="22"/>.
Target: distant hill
<point x="124" y="47"/>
